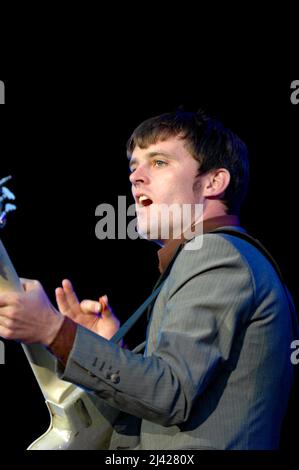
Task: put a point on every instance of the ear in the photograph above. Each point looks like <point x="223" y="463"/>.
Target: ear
<point x="216" y="182"/>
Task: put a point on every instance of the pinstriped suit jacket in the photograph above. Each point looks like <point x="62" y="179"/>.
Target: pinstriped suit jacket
<point x="216" y="372"/>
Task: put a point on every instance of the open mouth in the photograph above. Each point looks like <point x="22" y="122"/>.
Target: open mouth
<point x="144" y="201"/>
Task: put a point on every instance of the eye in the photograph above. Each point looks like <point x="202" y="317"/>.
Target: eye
<point x="159" y="163"/>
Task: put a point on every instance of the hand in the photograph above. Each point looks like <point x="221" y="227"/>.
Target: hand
<point x="29" y="316"/>
<point x="95" y="316"/>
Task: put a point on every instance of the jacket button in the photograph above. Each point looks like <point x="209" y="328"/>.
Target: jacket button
<point x="115" y="378"/>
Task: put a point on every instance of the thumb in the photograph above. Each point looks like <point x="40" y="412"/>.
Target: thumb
<point x="29" y="284"/>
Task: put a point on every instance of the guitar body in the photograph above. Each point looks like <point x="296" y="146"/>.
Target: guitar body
<point x="78" y="420"/>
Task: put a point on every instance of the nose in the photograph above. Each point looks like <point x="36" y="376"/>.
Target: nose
<point x="139" y="175"/>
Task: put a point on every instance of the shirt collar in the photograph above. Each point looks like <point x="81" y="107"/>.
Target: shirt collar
<point x="166" y="253"/>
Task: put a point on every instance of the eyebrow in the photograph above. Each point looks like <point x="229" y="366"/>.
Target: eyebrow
<point x="133" y="160"/>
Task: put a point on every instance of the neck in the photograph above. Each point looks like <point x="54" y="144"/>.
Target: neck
<point x="212" y="210"/>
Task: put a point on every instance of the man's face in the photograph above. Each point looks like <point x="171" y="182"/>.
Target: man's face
<point x="163" y="174"/>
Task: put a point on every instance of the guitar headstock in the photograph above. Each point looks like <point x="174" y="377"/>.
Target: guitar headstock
<point x="5" y="196"/>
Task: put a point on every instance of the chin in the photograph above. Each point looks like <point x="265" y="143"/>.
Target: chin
<point x="149" y="231"/>
<point x="156" y="233"/>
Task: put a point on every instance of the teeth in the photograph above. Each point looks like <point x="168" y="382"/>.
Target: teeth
<point x="144" y="200"/>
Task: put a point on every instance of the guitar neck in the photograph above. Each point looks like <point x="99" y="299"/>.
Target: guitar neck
<point x="41" y="360"/>
<point x="77" y="420"/>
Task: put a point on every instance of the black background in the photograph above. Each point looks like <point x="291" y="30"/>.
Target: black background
<point x="63" y="138"/>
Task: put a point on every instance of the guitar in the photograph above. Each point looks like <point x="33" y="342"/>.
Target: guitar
<point x="79" y="420"/>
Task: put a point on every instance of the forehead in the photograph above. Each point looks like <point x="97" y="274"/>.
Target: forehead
<point x="172" y="147"/>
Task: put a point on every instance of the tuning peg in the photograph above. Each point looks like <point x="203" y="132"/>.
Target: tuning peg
<point x="7" y="178"/>
<point x="10" y="207"/>
<point x="7" y="194"/>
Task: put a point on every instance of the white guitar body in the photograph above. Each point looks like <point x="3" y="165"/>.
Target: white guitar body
<point x="75" y="421"/>
<point x="78" y="419"/>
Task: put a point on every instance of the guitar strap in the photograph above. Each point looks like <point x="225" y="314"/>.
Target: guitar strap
<point x="146" y="304"/>
<point x="136" y="315"/>
<point x="257" y="244"/>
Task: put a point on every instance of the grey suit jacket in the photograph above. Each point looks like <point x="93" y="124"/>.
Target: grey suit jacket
<point x="216" y="371"/>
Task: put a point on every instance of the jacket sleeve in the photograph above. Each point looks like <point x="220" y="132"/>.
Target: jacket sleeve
<point x="208" y="293"/>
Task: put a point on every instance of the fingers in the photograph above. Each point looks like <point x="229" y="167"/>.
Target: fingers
<point x="9" y="298"/>
<point x="6" y="333"/>
<point x="69" y="292"/>
<point x="68" y="303"/>
<point x="90" y="306"/>
<point x="104" y="302"/>
<point x="4" y="299"/>
<point x="105" y="311"/>
<point x="5" y="320"/>
<point x="61" y="300"/>
<point x="93" y="307"/>
<point x="66" y="299"/>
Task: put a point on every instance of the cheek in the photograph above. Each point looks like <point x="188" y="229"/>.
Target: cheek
<point x="197" y="188"/>
<point x="174" y="187"/>
<point x="181" y="192"/>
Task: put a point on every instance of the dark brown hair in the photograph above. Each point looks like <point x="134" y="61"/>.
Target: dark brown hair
<point x="209" y="142"/>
